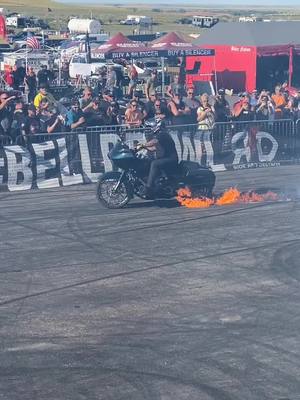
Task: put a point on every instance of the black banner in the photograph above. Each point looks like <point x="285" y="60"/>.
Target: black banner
<point x="80" y="158"/>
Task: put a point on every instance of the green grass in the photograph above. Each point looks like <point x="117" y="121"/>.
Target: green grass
<point x="165" y="19"/>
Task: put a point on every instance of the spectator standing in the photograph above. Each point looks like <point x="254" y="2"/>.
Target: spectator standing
<point x="44" y="76"/>
<point x="9" y="77"/>
<point x="133" y="116"/>
<point x="50" y="121"/>
<point x="43" y="92"/>
<point x="149" y="110"/>
<point x="151" y="84"/>
<point x="137" y="97"/>
<point x="179" y="111"/>
<point x="102" y="77"/>
<point x="205" y="114"/>
<point x="16" y="78"/>
<point x="193" y="104"/>
<point x="32" y="122"/>
<point x="133" y="79"/>
<point x="161" y="110"/>
<point x="253" y="99"/>
<point x="106" y="101"/>
<point x="221" y="107"/>
<point x="75" y="117"/>
<point x="288" y="111"/>
<point x="113" y="115"/>
<point x="65" y="72"/>
<point x="30" y="82"/>
<point x="242" y="110"/>
<point x="296" y="106"/>
<point x="175" y="87"/>
<point x="279" y="102"/>
<point x="5" y="113"/>
<point x="111" y="81"/>
<point x="21" y="71"/>
<point x="264" y="109"/>
<point x="206" y="120"/>
<point x="18" y="120"/>
<point x="93" y="114"/>
<point x="86" y="99"/>
<point x="118" y="91"/>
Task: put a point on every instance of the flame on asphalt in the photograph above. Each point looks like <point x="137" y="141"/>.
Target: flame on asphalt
<point x="230" y="196"/>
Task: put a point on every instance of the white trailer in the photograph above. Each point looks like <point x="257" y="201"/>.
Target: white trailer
<point x="204" y="21"/>
<point x="137" y="20"/>
<point x="78" y="25"/>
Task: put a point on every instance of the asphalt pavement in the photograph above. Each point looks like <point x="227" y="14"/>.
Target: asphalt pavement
<point x="154" y="301"/>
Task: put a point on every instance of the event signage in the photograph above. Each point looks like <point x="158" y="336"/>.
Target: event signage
<point x="82" y="157"/>
<point x="132" y="54"/>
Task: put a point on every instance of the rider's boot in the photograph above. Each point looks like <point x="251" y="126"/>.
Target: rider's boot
<point x="149" y="193"/>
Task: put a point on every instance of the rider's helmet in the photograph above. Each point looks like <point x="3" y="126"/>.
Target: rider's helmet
<point x="155" y="124"/>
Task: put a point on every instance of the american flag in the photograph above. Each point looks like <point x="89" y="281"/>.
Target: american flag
<point x="32" y="41"/>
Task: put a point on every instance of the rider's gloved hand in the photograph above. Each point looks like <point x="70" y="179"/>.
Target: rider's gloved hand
<point x="139" y="147"/>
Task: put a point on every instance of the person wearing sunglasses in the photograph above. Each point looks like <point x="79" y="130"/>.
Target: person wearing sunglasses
<point x="160" y="110"/>
<point x="133" y="116"/>
<point x="75" y="117"/>
<point x="5" y="99"/>
<point x="193" y="104"/>
<point x="86" y="100"/>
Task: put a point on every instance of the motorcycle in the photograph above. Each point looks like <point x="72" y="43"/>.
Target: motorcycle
<point x="116" y="188"/>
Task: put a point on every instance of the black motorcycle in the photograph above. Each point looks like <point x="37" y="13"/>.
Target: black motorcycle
<point x="115" y="189"/>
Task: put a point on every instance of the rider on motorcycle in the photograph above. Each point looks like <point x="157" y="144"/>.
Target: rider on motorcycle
<point x="166" y="155"/>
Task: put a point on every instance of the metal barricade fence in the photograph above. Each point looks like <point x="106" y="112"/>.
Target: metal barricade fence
<point x="297" y="127"/>
<point x="282" y="130"/>
<point x="284" y="127"/>
<point x="5" y="140"/>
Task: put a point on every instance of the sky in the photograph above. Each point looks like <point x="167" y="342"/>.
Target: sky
<point x="195" y="2"/>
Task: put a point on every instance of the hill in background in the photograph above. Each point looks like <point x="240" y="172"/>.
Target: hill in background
<point x="166" y="17"/>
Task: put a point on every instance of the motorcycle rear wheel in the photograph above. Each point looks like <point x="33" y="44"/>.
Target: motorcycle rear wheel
<point x="111" y="194"/>
<point x="203" y="191"/>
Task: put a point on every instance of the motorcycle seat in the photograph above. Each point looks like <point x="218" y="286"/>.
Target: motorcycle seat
<point x="190" y="167"/>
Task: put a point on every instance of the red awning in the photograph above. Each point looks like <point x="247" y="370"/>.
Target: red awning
<point x="171" y="41"/>
<point x="283" y="50"/>
<point x="173" y="45"/>
<point x="118" y="44"/>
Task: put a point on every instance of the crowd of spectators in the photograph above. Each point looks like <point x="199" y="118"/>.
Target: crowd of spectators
<point x="104" y="106"/>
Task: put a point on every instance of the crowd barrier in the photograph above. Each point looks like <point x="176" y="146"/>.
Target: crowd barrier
<point x="61" y="159"/>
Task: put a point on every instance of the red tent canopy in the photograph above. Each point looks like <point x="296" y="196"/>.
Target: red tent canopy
<point x="171" y="41"/>
<point x="119" y="46"/>
<point x="172" y="44"/>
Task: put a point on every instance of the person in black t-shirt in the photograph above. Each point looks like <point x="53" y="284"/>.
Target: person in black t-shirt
<point x="149" y="109"/>
<point x="18" y="120"/>
<point x="32" y="122"/>
<point x="5" y="113"/>
<point x="166" y="156"/>
<point x="31" y="84"/>
<point x="50" y="121"/>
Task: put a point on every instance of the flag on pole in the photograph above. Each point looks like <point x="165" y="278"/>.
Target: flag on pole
<point x="32" y="41"/>
<point x="291" y="69"/>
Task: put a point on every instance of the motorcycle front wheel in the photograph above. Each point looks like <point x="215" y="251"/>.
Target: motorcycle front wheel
<point x="112" y="193"/>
